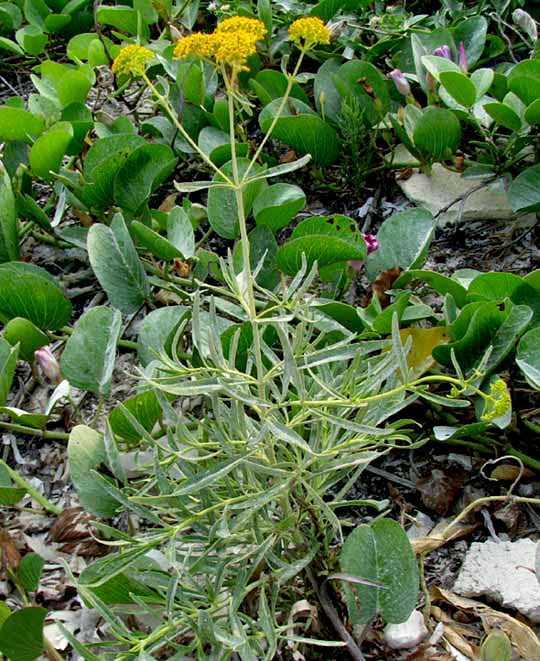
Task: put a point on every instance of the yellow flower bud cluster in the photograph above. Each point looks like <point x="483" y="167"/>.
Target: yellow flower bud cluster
<point x="232" y="42"/>
<point x="499" y="401"/>
<point x="311" y="30"/>
<point x="132" y="60"/>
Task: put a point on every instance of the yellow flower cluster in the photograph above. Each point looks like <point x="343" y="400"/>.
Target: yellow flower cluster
<point x="311" y="29"/>
<point x="242" y="24"/>
<point x="232" y="42"/>
<point x="198" y="44"/>
<point x="499" y="401"/>
<point x="132" y="60"/>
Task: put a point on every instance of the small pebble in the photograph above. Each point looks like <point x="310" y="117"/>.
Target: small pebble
<point x="407" y="634"/>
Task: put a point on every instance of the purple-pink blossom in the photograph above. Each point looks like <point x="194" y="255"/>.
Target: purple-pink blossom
<point x="401" y="83"/>
<point x="443" y="51"/>
<point x="48" y="363"/>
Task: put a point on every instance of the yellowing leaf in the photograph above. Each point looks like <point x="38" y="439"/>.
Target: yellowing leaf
<point x="419" y="358"/>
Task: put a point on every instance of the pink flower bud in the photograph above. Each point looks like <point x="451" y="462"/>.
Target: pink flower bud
<point x="401" y="83"/>
<point x="443" y="51"/>
<point x="48" y="363"/>
<point x="462" y="60"/>
<point x="371" y="242"/>
<point x="372" y="245"/>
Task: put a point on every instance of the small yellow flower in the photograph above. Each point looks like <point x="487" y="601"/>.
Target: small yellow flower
<point x="242" y="24"/>
<point x="311" y="29"/>
<point x="198" y="44"/>
<point x="235" y="47"/>
<point x="498" y="401"/>
<point x="132" y="60"/>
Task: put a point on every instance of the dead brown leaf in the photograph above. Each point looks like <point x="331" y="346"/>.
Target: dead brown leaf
<point x="436" y="539"/>
<point x="522" y="636"/>
<point x="10" y="557"/>
<point x="440" y="488"/>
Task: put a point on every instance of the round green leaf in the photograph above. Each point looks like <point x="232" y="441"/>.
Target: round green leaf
<point x="18" y="124"/>
<point x="524" y="192"/>
<point x="459" y="86"/>
<point x="86" y="452"/>
<point x="144" y="407"/>
<point x="440" y="283"/>
<point x="437" y="134"/>
<point x="262" y="243"/>
<point x="326" y="240"/>
<point x="55" y="22"/>
<point x="31" y="39"/>
<point x="117" y="266"/>
<point x="87" y="361"/>
<point x="215" y="144"/>
<point x="157" y="332"/>
<point x="154" y="242"/>
<point x="404" y="239"/>
<point x="528" y="357"/>
<point x="144" y="170"/>
<point x="49" y="149"/>
<point x="180" y="232"/>
<point x="472" y="32"/>
<point x="327" y="98"/>
<point x="8" y="362"/>
<point x="21" y="635"/>
<point x="503" y="115"/>
<point x="277" y="205"/>
<point x="101" y="165"/>
<point x="222" y="208"/>
<point x="532" y="113"/>
<point x="482" y="80"/>
<point x="380" y="552"/>
<point x="303" y="130"/>
<point x="9" y="238"/>
<point x="29" y="291"/>
<point x="29" y="337"/>
<point x="83" y="47"/>
<point x="29" y="571"/>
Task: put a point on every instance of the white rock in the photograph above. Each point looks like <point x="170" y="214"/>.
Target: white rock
<point x="444" y="186"/>
<point x="504" y="572"/>
<point x="407" y="634"/>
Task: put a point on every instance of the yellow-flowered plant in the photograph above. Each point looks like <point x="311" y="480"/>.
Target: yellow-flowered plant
<point x="132" y="60"/>
<point x="498" y="401"/>
<point x="310" y="31"/>
<point x="242" y="24"/>
<point x="231" y="43"/>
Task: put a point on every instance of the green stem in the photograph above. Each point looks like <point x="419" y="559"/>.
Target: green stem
<point x="290" y="82"/>
<point x="35" y="495"/>
<point x="165" y="103"/>
<point x="31" y="431"/>
<point x="534" y="464"/>
<point x="247" y="274"/>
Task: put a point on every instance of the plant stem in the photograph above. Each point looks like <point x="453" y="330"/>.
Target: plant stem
<point x="165" y="103"/>
<point x="290" y="82"/>
<point x="246" y="269"/>
<point x="32" y="431"/>
<point x="35" y="495"/>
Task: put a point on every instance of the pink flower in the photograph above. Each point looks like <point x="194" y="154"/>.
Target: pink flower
<point x="462" y="60"/>
<point x="48" y="363"/>
<point x="372" y="245"/>
<point x="443" y="51"/>
<point x="401" y="83"/>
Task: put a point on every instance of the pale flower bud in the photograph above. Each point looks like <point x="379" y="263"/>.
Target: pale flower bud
<point x="401" y="83"/>
<point x="48" y="363"/>
<point x="462" y="59"/>
<point x="443" y="51"/>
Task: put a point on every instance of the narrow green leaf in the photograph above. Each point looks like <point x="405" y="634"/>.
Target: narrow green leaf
<point x="8" y="362"/>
